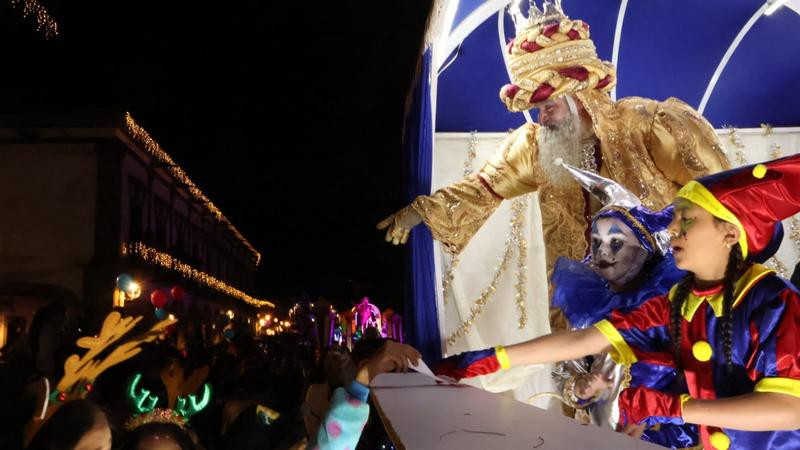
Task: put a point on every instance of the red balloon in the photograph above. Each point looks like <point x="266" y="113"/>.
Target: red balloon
<point x="158" y="299"/>
<point x="177" y="293"/>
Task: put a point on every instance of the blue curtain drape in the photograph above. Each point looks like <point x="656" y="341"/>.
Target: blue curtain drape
<point x="422" y="325"/>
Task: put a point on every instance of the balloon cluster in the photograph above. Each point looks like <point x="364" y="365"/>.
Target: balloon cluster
<point x="161" y="298"/>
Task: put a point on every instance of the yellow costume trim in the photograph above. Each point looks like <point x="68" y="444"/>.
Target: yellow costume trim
<point x="684" y="398"/>
<point x="702" y="197"/>
<point x="743" y="285"/>
<point x="788" y="386"/>
<point x="621" y="353"/>
<point x="720" y="440"/>
<point x="502" y="357"/>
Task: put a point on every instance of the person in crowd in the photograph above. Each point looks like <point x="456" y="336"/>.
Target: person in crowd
<point x="77" y="425"/>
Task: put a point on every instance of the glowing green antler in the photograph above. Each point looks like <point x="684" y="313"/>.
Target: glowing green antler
<point x="189" y="405"/>
<point x="140" y="398"/>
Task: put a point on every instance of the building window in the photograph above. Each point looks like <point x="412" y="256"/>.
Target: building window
<point x="137" y="198"/>
<point x="181" y="240"/>
<point x="161" y="213"/>
<point x="197" y="246"/>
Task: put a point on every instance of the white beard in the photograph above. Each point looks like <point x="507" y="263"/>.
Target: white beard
<point x="560" y="144"/>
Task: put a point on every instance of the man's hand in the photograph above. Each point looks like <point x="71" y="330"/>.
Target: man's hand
<point x="589" y="385"/>
<point x="392" y="357"/>
<point x="399" y="225"/>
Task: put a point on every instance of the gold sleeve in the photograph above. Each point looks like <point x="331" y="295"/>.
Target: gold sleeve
<point x="514" y="169"/>
<point x="683" y="144"/>
<point x="456" y="212"/>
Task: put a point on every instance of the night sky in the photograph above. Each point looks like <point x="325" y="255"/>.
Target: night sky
<point x="288" y="115"/>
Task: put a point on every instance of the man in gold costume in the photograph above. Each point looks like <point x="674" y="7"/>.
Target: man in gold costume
<point x="650" y="147"/>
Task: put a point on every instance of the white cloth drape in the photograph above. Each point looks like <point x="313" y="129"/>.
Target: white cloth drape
<point x="498" y="324"/>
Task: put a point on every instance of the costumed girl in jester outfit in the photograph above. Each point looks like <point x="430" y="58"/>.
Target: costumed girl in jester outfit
<point x="630" y="262"/>
<point x="731" y="325"/>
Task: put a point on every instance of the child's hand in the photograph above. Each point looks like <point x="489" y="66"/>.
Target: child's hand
<point x="392" y="357"/>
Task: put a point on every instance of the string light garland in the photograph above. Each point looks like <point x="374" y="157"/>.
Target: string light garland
<point x="45" y="24"/>
<point x="736" y="141"/>
<point x="449" y="276"/>
<point x="794" y="233"/>
<point x="153" y="256"/>
<point x="471" y="153"/>
<point x="519" y="208"/>
<point x="143" y="137"/>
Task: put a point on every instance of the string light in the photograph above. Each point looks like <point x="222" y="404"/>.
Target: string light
<point x="140" y="135"/>
<point x="44" y="23"/>
<point x="736" y="142"/>
<point x="151" y="255"/>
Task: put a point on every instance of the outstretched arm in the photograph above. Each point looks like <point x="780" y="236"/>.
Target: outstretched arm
<point x="559" y="346"/>
<point x="456" y="212"/>
<point x="550" y="348"/>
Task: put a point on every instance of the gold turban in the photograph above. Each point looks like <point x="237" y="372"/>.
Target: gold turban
<point x="553" y="58"/>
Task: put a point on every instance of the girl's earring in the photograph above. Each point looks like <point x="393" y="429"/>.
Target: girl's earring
<point x="727" y="244"/>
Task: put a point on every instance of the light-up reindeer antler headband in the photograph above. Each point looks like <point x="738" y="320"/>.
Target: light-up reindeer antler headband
<point x="80" y="372"/>
<point x="183" y="400"/>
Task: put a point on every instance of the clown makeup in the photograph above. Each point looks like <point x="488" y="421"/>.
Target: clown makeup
<point x="700" y="241"/>
<point x="617" y="255"/>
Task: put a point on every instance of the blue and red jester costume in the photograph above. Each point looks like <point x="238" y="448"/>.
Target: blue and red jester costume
<point x="764" y="337"/>
<point x="586" y="297"/>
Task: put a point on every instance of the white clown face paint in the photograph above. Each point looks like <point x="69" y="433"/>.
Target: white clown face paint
<point x="617" y="255"/>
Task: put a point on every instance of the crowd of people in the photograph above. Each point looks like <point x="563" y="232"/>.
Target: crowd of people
<point x="265" y="392"/>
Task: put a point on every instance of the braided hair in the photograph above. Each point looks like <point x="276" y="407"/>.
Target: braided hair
<point x="732" y="273"/>
<point x="681" y="294"/>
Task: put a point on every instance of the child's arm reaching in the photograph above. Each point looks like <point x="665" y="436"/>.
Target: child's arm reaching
<point x="544" y="349"/>
<point x="559" y="346"/>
